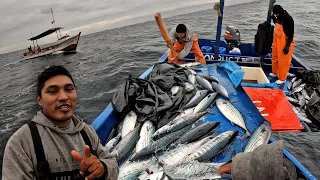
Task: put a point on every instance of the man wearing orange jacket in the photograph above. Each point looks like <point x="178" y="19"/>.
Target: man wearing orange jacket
<point x="184" y="41"/>
<point x="283" y="43"/>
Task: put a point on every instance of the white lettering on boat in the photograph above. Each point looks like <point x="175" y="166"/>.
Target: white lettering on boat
<point x="229" y="58"/>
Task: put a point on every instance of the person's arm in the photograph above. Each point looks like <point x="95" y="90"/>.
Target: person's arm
<point x="187" y="47"/>
<point x="108" y="161"/>
<point x="288" y="29"/>
<point x="17" y="163"/>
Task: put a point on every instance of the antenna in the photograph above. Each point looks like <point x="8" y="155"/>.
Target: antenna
<point x="54" y="22"/>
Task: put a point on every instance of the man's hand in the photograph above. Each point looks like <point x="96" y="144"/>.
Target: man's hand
<point x="178" y="55"/>
<point x="89" y="163"/>
<point x="225" y="168"/>
<point x="286" y="50"/>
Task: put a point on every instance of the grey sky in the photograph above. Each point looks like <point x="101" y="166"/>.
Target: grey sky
<point x="87" y="16"/>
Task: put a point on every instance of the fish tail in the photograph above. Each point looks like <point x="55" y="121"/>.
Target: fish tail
<point x="246" y="135"/>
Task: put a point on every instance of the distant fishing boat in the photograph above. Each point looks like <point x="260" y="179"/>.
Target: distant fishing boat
<point x="65" y="44"/>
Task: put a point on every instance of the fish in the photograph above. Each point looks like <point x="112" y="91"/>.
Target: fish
<point x="184" y="113"/>
<point x="192" y="78"/>
<point x="127" y="144"/>
<point x="260" y="136"/>
<point x="293" y="79"/>
<point x="192" y="64"/>
<point x="297" y="89"/>
<point x="220" y="89"/>
<point x="197" y="132"/>
<point x="205" y="103"/>
<point x="188" y="86"/>
<point x="213" y="147"/>
<point x="196" y="98"/>
<point x="289" y="86"/>
<point x="174" y="90"/>
<point x="159" y="145"/>
<point x="113" y="142"/>
<point x="193" y="170"/>
<point x="305" y="119"/>
<point x="178" y="124"/>
<point x="154" y="176"/>
<point x="192" y="71"/>
<point x="132" y="170"/>
<point x="204" y="83"/>
<point x="179" y="154"/>
<point x="145" y="135"/>
<point x="296" y="83"/>
<point x="210" y="78"/>
<point x="302" y="100"/>
<point x="290" y="75"/>
<point x="293" y="101"/>
<point x="305" y="94"/>
<point x="129" y="123"/>
<point x="232" y="114"/>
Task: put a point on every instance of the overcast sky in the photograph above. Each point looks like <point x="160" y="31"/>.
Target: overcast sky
<point x="87" y="16"/>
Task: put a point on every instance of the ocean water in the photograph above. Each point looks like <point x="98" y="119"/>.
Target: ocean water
<point x="105" y="58"/>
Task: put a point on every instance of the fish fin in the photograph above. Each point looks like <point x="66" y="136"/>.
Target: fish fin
<point x="245" y="135"/>
<point x="211" y="112"/>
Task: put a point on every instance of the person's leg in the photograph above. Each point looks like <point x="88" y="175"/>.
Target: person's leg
<point x="274" y="59"/>
<point x="284" y="63"/>
<point x="178" y="47"/>
<point x="197" y="51"/>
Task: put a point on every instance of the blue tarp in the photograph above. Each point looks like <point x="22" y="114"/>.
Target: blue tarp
<point x="234" y="71"/>
<point x="265" y="85"/>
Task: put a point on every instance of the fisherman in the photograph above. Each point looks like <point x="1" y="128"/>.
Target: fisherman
<point x="184" y="41"/>
<point x="283" y="43"/>
<point x="56" y="144"/>
<point x="266" y="162"/>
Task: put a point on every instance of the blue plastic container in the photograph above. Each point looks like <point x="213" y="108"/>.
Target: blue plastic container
<point x="206" y="49"/>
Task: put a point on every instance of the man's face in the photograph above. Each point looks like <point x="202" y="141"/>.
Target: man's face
<point x="58" y="99"/>
<point x="181" y="35"/>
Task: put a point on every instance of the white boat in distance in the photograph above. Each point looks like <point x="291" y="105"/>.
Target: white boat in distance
<point x="65" y="44"/>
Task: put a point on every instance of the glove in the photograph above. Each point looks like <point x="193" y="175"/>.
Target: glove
<point x="286" y="50"/>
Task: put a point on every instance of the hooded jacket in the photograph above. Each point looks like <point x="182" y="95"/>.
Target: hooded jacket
<point x="20" y="160"/>
<point x="188" y="38"/>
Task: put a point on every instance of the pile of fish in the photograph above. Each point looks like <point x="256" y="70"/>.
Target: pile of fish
<point x="184" y="147"/>
<point x="299" y="99"/>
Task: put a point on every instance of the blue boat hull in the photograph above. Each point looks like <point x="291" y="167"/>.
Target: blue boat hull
<point x="104" y="123"/>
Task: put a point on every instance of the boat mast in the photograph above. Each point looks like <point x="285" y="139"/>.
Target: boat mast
<point x="34" y="46"/>
<point x="219" y="26"/>
<point x="54" y="22"/>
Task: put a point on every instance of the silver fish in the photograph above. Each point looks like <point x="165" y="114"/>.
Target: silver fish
<point x="297" y="89"/>
<point x="174" y="90"/>
<point x="186" y="112"/>
<point x="159" y="144"/>
<point x="290" y="75"/>
<point x="150" y="171"/>
<point x="197" y="132"/>
<point x="232" y="114"/>
<point x="302" y="100"/>
<point x="196" y="98"/>
<point x="127" y="144"/>
<point x="211" y="148"/>
<point x="204" y="83"/>
<point x="129" y="123"/>
<point x="179" y="154"/>
<point x="193" y="170"/>
<point x="132" y="170"/>
<point x="210" y="78"/>
<point x="289" y="85"/>
<point x="192" y="64"/>
<point x="192" y="71"/>
<point x="113" y="142"/>
<point x="293" y="79"/>
<point x="293" y="100"/>
<point x="154" y="176"/>
<point x="305" y="94"/>
<point x="220" y="89"/>
<point x="305" y="119"/>
<point x="260" y="136"/>
<point x="296" y="83"/>
<point x="178" y="124"/>
<point x="191" y="78"/>
<point x="188" y="86"/>
<point x="145" y="135"/>
<point x="205" y="103"/>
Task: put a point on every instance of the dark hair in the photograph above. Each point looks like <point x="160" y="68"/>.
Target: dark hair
<point x="49" y="73"/>
<point x="277" y="9"/>
<point x="181" y="28"/>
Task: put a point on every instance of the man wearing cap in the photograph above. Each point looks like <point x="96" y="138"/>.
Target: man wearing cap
<point x="184" y="41"/>
<point x="283" y="43"/>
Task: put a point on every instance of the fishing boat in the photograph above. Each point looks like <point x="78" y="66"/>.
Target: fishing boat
<point x="252" y="112"/>
<point x="65" y="43"/>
